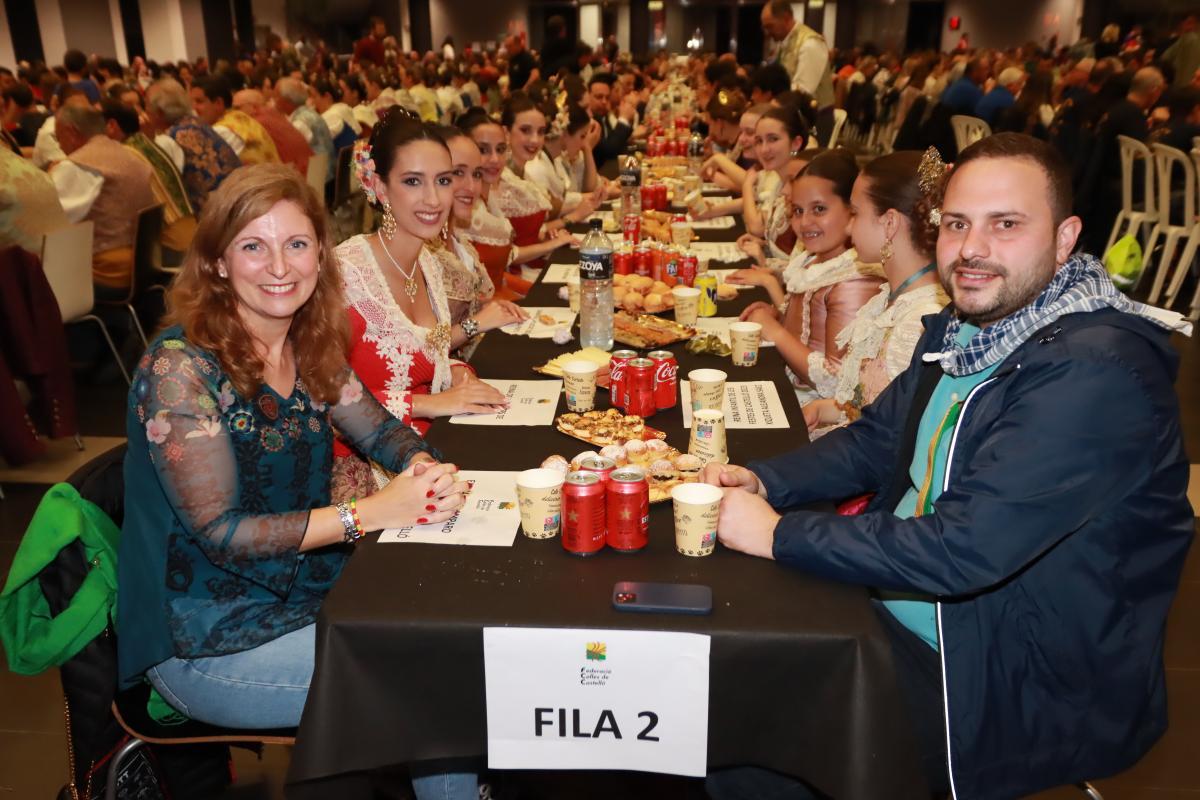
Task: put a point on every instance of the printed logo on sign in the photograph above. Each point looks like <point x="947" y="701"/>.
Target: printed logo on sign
<point x="597" y="651"/>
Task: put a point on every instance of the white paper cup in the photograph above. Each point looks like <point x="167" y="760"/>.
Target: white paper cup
<point x="708" y="389"/>
<point x="681" y="233"/>
<point x="687" y="304"/>
<point x="745" y="339"/>
<point x="697" y="508"/>
<point x="573" y="293"/>
<point x="579" y="382"/>
<point x="539" y="497"/>
<point x="707" y="439"/>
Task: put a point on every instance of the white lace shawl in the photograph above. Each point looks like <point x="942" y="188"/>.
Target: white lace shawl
<point x="773" y="205"/>
<point x="488" y="227"/>
<point x="514" y="196"/>
<point x="396" y="338"/>
<point x="550" y="175"/>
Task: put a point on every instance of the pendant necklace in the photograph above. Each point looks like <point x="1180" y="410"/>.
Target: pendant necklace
<point x="410" y="283"/>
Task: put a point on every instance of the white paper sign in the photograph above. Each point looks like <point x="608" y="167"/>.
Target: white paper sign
<point x="597" y="699"/>
<point x="719" y="327"/>
<point x="489" y="517"/>
<point x="530" y="403"/>
<point x="714" y="224"/>
<point x="714" y="188"/>
<point x="748" y="404"/>
<point x="542" y="322"/>
<point x="719" y="251"/>
<point x="558" y="273"/>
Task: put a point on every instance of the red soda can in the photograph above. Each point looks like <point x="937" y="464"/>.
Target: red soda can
<point x="639" y="388"/>
<point x="616" y="373"/>
<point x="631" y="225"/>
<point x="643" y="261"/>
<point x="666" y="378"/>
<point x="583" y="517"/>
<point x="628" y="511"/>
<point x="600" y="465"/>
<point x="647" y="192"/>
<point x="656" y="261"/>
<point x="660" y="196"/>
<point x="623" y="262"/>
<point x="688" y="266"/>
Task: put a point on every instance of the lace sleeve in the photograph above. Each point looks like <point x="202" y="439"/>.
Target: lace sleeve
<point x="187" y="435"/>
<point x="823" y="373"/>
<point x="374" y="432"/>
<point x="901" y="343"/>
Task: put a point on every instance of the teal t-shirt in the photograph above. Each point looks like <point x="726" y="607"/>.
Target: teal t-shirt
<point x="919" y="615"/>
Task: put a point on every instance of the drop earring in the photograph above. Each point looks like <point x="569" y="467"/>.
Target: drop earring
<point x="388" y="226"/>
<point x="886" y="252"/>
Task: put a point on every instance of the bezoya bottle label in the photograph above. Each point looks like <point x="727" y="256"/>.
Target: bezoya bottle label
<point x="631" y="174"/>
<point x="595" y="266"/>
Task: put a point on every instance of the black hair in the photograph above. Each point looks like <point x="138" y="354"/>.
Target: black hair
<point x="602" y="77"/>
<point x="398" y="129"/>
<point x="518" y="103"/>
<point x="803" y="102"/>
<point x="215" y="87"/>
<point x="577" y="119"/>
<point x="125" y="116"/>
<point x="771" y="78"/>
<point x="717" y="70"/>
<point x="837" y="166"/>
<point x="75" y="61"/>
<point x="474" y="117"/>
<point x="20" y="94"/>
<point x="792" y="120"/>
<point x="893" y="182"/>
<point x="355" y="84"/>
<point x="330" y="88"/>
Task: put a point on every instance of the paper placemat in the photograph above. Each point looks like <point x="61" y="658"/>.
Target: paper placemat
<point x="714" y="224"/>
<point x="542" y="322"/>
<point x="727" y="252"/>
<point x="723" y="277"/>
<point x="748" y="404"/>
<point x="558" y="273"/>
<point x="489" y="516"/>
<point x="719" y="327"/>
<point x="530" y="403"/>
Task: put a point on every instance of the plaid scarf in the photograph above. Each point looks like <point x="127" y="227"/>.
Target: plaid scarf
<point x="1080" y="285"/>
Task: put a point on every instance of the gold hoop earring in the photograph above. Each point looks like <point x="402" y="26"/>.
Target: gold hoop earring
<point x="388" y="226"/>
<point x="886" y="252"/>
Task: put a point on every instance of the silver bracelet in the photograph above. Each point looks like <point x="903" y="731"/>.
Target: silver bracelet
<point x="347" y="518"/>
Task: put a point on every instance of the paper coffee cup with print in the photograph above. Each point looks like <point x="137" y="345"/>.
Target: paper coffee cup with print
<point x="539" y="497"/>
<point x="708" y="437"/>
<point x="687" y="304"/>
<point x="579" y="381"/>
<point x="745" y="339"/>
<point x="697" y="508"/>
<point x="708" y="389"/>
<point x="573" y="293"/>
<point x="681" y="233"/>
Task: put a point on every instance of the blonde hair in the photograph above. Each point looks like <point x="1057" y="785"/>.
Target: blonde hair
<point x="206" y="307"/>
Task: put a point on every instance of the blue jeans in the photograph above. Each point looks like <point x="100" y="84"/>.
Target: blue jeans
<point x="265" y="687"/>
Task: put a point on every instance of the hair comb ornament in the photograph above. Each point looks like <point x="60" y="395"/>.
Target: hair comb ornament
<point x="930" y="173"/>
<point x="364" y="168"/>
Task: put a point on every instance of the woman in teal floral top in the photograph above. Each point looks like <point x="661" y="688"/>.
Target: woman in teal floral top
<point x="229" y="543"/>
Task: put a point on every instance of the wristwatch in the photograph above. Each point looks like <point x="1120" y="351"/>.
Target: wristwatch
<point x="470" y="327"/>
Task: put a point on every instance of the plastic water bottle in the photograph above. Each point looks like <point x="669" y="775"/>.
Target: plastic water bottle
<point x="595" y="289"/>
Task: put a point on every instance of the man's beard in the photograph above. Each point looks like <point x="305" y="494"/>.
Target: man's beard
<point x="1011" y="296"/>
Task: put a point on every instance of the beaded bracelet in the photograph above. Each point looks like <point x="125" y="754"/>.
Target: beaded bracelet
<point x="358" y="526"/>
<point x="348" y="513"/>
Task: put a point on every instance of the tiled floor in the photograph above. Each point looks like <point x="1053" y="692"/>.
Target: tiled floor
<point x="32" y="743"/>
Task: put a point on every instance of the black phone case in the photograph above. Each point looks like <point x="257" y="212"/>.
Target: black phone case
<point x="662" y="598"/>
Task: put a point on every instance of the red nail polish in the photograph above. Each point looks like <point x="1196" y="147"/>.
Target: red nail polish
<point x="429" y="493"/>
<point x="422" y="520"/>
<point x="431" y="508"/>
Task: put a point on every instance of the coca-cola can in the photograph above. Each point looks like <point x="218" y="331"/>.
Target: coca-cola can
<point x="616" y="376"/>
<point x="643" y="261"/>
<point x="689" y="264"/>
<point x="666" y="378"/>
<point x="680" y="147"/>
<point x="598" y="464"/>
<point x="631" y="225"/>
<point x="583" y="513"/>
<point x="623" y="262"/>
<point x="628" y="509"/>
<point x="647" y="192"/>
<point x="639" y="388"/>
<point x="660" y="196"/>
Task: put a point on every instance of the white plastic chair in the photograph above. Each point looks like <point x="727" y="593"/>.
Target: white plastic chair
<point x="1136" y="221"/>
<point x="839" y="122"/>
<point x="1173" y="170"/>
<point x="67" y="262"/>
<point x="1191" y="249"/>
<point x="968" y="130"/>
<point x="318" y="170"/>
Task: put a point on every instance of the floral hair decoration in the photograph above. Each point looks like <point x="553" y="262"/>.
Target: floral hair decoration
<point x="364" y="168"/>
<point x="930" y="174"/>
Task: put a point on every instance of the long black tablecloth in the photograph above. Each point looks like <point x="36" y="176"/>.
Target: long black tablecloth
<point x="801" y="678"/>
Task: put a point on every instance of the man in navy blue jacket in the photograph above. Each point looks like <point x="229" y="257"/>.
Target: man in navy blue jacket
<point x="1030" y="517"/>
